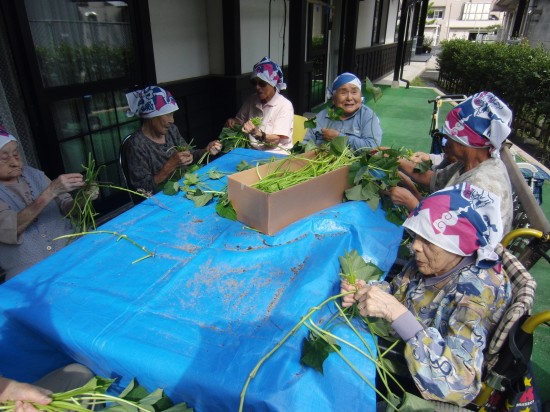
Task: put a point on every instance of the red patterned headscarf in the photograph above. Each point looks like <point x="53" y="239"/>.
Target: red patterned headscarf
<point x="150" y="102"/>
<point x="463" y="219"/>
<point x="270" y="72"/>
<point x="482" y="120"/>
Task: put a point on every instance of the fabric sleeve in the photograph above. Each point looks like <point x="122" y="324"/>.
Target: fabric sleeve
<point x="447" y="366"/>
<point x="8" y="225"/>
<point x="284" y="120"/>
<point x="315" y="134"/>
<point x="371" y="132"/>
<point x="139" y="168"/>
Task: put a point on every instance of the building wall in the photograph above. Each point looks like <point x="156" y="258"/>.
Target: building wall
<point x="180" y="39"/>
<point x="364" y="26"/>
<point x="256" y="41"/>
<point x="452" y="25"/>
<point x="538" y="25"/>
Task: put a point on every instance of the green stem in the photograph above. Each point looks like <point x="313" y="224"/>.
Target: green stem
<point x="323" y="333"/>
<point x="119" y="235"/>
<point x="280" y="343"/>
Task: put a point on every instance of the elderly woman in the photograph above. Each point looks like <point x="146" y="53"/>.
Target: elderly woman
<point x="32" y="209"/>
<point x="449" y="298"/>
<point x="475" y="131"/>
<point x="154" y="153"/>
<point x="274" y="134"/>
<point x="356" y="121"/>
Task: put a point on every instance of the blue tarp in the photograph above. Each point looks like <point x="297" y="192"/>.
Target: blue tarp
<point x="197" y="317"/>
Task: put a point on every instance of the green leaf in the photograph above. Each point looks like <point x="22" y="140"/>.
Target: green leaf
<point x="225" y="209"/>
<point x="373" y="203"/>
<point x="314" y="352"/>
<point x="96" y="384"/>
<point x="310" y="123"/>
<point x="170" y="188"/>
<point x="338" y="145"/>
<point x="354" y="268"/>
<point x="199" y="198"/>
<point x="243" y="165"/>
<point x="354" y="193"/>
<point x="215" y="175"/>
<point x="379" y="327"/>
<point x="134" y="391"/>
<point x="423" y="167"/>
<point x="191" y="179"/>
<point x="335" y="113"/>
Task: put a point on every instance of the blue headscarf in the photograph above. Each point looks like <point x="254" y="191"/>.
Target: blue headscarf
<point x="342" y="79"/>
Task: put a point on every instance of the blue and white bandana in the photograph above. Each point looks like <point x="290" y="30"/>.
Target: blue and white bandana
<point x="270" y="72"/>
<point x="150" y="102"/>
<point x="463" y="219"/>
<point x="342" y="79"/>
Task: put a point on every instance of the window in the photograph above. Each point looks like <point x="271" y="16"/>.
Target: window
<point x="86" y="59"/>
<point x="435" y="13"/>
<point x="380" y="21"/>
<point x="476" y="11"/>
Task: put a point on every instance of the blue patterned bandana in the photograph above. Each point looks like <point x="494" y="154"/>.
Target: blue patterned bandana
<point x="150" y="102"/>
<point x="462" y="219"/>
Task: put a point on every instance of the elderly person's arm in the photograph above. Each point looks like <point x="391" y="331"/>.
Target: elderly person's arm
<point x="407" y="166"/>
<point x="371" y="132"/>
<point x="63" y="184"/>
<point x="445" y="367"/>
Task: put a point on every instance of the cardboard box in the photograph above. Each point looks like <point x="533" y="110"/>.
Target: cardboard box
<point x="271" y="212"/>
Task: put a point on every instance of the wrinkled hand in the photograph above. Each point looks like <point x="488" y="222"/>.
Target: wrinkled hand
<point x="402" y="196"/>
<point x="181" y="159"/>
<point x="329" y="134"/>
<point x="372" y="301"/>
<point x="419" y="157"/>
<point x="232" y="122"/>
<point x="345" y="287"/>
<point x="214" y="147"/>
<point x="66" y="183"/>
<point x="92" y="192"/>
<point x="23" y="393"/>
<point x="249" y="127"/>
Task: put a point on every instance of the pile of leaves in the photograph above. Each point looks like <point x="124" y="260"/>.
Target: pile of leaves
<point x="134" y="398"/>
<point x="234" y="137"/>
<point x="372" y="176"/>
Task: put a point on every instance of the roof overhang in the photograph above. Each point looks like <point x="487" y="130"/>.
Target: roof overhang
<point x="505" y="5"/>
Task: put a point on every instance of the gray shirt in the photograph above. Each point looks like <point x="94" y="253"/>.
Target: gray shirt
<point x="490" y="175"/>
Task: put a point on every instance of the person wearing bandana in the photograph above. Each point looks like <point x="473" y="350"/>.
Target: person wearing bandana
<point x="274" y="134"/>
<point x="153" y="156"/>
<point x="356" y="121"/>
<point x="449" y="298"/>
<point x="475" y="131"/>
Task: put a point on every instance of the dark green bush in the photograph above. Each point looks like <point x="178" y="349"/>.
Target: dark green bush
<point x="519" y="74"/>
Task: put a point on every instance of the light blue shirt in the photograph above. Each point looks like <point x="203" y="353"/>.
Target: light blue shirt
<point x="362" y="128"/>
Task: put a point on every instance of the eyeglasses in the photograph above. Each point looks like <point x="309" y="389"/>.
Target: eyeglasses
<point x="258" y="82"/>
